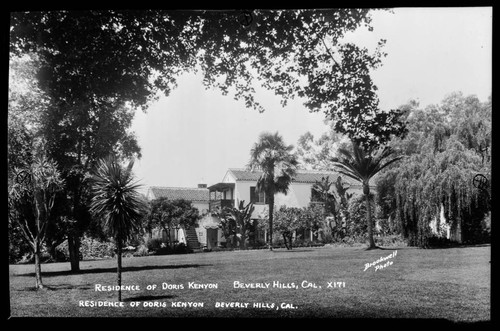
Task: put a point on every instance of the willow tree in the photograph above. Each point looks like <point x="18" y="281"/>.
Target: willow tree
<point x="447" y="145"/>
<point x="425" y="184"/>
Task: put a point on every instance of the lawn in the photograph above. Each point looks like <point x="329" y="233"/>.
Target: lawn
<point x="451" y="284"/>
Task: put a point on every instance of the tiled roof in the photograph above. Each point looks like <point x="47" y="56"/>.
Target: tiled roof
<point x="302" y="176"/>
<point x="186" y="193"/>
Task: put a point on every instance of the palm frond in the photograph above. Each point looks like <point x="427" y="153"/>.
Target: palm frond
<point x="350" y="175"/>
<point x="115" y="198"/>
<point x="352" y="168"/>
<point x="361" y="164"/>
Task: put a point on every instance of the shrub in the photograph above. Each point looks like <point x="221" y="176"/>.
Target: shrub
<point x="278" y="241"/>
<point x="91" y="248"/>
<point x="439" y="242"/>
<point x="355" y="240"/>
<point x="62" y="251"/>
<point x="142" y="250"/>
<point x="356" y="224"/>
<point x="18" y="246"/>
<point x="258" y="243"/>
<point x="477" y="230"/>
<point x="301" y="242"/>
<point x="395" y="240"/>
<point x="181" y="248"/>
<point x="154" y="244"/>
<point x="327" y="238"/>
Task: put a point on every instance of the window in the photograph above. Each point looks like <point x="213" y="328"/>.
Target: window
<point x="316" y="196"/>
<point x="256" y="196"/>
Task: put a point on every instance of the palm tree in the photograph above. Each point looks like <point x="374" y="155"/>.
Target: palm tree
<point x="116" y="201"/>
<point x="273" y="157"/>
<point x="361" y="165"/>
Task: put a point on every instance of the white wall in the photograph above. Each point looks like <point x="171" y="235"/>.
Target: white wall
<point x="201" y="206"/>
<point x="228" y="178"/>
<point x="299" y="195"/>
<point x="242" y="191"/>
<point x="181" y="236"/>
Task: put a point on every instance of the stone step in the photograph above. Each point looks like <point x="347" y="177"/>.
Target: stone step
<point x="192" y="238"/>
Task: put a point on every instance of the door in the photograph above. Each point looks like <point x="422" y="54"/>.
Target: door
<point x="211" y="238"/>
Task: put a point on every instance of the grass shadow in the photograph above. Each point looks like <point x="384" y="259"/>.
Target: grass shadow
<point x="381" y="248"/>
<point x="292" y="250"/>
<point x="68" y="287"/>
<point x="149" y="297"/>
<point x="57" y="287"/>
<point x="457" y="245"/>
<point x="112" y="270"/>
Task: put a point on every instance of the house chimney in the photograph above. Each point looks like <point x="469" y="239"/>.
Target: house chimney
<point x="202" y="185"/>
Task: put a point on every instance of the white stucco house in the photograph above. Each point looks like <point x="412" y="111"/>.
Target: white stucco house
<point x="240" y="185"/>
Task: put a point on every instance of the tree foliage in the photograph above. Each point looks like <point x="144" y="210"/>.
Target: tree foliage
<point x="447" y="145"/>
<point x="335" y="198"/>
<point x="94" y="67"/>
<point x="171" y="214"/>
<point x="316" y="153"/>
<point x="26" y="104"/>
<point x="286" y="221"/>
<point x="295" y="53"/>
<point x="75" y="133"/>
<point x="142" y="52"/>
<point x="326" y="195"/>
<point x="362" y="164"/>
<point x="236" y="223"/>
<point x="278" y="164"/>
<point x="31" y="199"/>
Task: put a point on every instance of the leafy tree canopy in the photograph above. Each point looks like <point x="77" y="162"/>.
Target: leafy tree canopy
<point x="316" y="153"/>
<point x="99" y="56"/>
<point x="168" y="214"/>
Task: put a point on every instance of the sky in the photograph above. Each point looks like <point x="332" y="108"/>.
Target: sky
<point x="194" y="135"/>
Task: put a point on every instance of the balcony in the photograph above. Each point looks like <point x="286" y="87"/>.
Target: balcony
<point x="221" y="203"/>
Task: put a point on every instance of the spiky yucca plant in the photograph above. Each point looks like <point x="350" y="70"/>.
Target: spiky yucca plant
<point x="117" y="203"/>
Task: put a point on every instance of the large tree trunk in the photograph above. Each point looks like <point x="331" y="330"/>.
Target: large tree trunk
<point x="271" y="216"/>
<point x="285" y="241"/>
<point x="290" y="241"/>
<point x="75" y="232"/>
<point x="38" y="267"/>
<point x="366" y="191"/>
<point x="243" y="242"/>
<point x="119" y="266"/>
<point x="74" y="251"/>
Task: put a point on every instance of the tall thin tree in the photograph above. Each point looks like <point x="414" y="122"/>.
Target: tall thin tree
<point x="362" y="164"/>
<point x="117" y="202"/>
<point x="278" y="164"/>
<point x="31" y="199"/>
